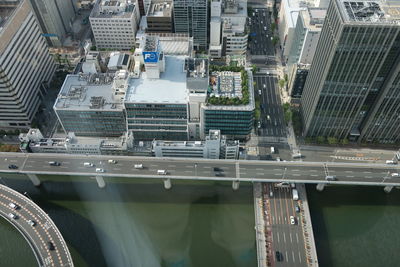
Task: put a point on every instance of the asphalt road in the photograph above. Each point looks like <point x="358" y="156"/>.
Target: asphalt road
<point x="271" y="106"/>
<point x="286" y="238"/>
<point x="202" y="169"/>
<point x="261" y="43"/>
<point x="39" y="235"/>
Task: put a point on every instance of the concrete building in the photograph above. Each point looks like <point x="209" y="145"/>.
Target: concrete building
<point x="118" y="61"/>
<point x="159" y="17"/>
<point x="55" y="18"/>
<point x="214" y="147"/>
<point x="352" y="89"/>
<point x="92" y="104"/>
<point x="306" y="36"/>
<point x="289" y="13"/>
<point x="234" y="33"/>
<point x="25" y="64"/>
<point x="114" y="23"/>
<point x="215" y="48"/>
<point x="34" y="142"/>
<point x="190" y="16"/>
<point x="230" y="106"/>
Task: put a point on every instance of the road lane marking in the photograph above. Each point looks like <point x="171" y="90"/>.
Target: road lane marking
<point x="284" y="237"/>
<point x="278" y="174"/>
<point x="286" y="254"/>
<point x="260" y="173"/>
<point x="299" y="257"/>
<point x="188" y="171"/>
<point x="350" y="176"/>
<point x="174" y="166"/>
<point x="290" y="235"/>
<point x="297" y="237"/>
<point x="293" y="256"/>
<point x="296" y="174"/>
<point x="314" y="175"/>
<point x="348" y="171"/>
<point x="368" y="176"/>
<point x="295" y="170"/>
<point x="243" y="173"/>
<point x="277" y="234"/>
<point x="259" y="169"/>
<point x="277" y="169"/>
<point x="313" y="170"/>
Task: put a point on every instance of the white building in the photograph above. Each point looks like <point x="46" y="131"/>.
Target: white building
<point x="289" y="13"/>
<point x="228" y="35"/>
<point x="234" y="33"/>
<point x="114" y="23"/>
<point x="214" y="147"/>
<point x="25" y="65"/>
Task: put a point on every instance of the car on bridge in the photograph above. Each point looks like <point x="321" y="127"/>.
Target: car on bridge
<point x="54" y="163"/>
<point x="12" y="167"/>
<point x="395" y="174"/>
<point x="278" y="256"/>
<point x="13" y="216"/>
<point x="13" y="206"/>
<point x="31" y="223"/>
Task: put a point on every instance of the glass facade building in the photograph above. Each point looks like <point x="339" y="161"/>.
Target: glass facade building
<point x="352" y="88"/>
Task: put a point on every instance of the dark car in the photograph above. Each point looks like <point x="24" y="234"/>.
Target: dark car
<point x="12" y="166"/>
<point x="54" y="163"/>
<point x="219" y="174"/>
<point x="279" y="256"/>
<point x="216" y="169"/>
<point x="297" y="208"/>
<point x="50" y="245"/>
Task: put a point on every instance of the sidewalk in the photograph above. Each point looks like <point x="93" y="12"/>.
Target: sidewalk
<point x="260" y="226"/>
<point x="311" y="250"/>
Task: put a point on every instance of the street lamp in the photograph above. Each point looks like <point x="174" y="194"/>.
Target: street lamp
<point x="284" y="172"/>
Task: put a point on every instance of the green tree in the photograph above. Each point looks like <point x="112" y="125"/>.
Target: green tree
<point x="93" y="48"/>
<point x="285" y="77"/>
<point x="288" y="116"/>
<point x="281" y="83"/>
<point x="309" y="140"/>
<point x="332" y="140"/>
<point x="275" y="40"/>
<point x="273" y="27"/>
<point x="321" y="139"/>
<point x="344" y="141"/>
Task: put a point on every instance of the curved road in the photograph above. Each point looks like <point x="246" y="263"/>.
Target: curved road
<point x="203" y="169"/>
<point x="38" y="235"/>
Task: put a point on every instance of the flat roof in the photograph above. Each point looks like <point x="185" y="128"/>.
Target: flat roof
<point x="367" y="11"/>
<point x="87" y="92"/>
<point x="112" y="8"/>
<point x="160" y="9"/>
<point x="170" y="88"/>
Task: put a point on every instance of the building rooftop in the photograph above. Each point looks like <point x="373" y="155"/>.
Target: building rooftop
<point x="88" y="92"/>
<point x="7" y="9"/>
<point x="169" y="88"/>
<point x="160" y="9"/>
<point x="226" y="84"/>
<point x="113" y="8"/>
<point x="378" y="11"/>
<point x="314" y="18"/>
<point x="196" y="67"/>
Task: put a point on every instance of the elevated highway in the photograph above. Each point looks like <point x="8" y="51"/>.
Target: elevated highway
<point x="36" y="227"/>
<point x="203" y="169"/>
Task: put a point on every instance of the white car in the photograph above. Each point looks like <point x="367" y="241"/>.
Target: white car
<point x="259" y="125"/>
<point x="13" y="206"/>
<point x="264" y="85"/>
<point x="12" y="216"/>
<point x="31" y="223"/>
<point x="138" y="166"/>
<point x="395" y="174"/>
<point x="99" y="170"/>
<point x="111" y="161"/>
<point x="292" y="220"/>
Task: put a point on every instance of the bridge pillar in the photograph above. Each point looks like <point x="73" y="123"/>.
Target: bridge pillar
<point x="320" y="187"/>
<point x="100" y="181"/>
<point x="167" y="183"/>
<point x="388" y="189"/>
<point x="35" y="180"/>
<point x="235" y="185"/>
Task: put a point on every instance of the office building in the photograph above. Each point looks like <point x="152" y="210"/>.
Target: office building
<point x="215" y="48"/>
<point x="190" y="16"/>
<point x="288" y="18"/>
<point x="25" y="64"/>
<point x="352" y="90"/>
<point x="234" y="34"/>
<point x="114" y="23"/>
<point x="230" y="105"/>
<point x="55" y="18"/>
<point x="159" y="17"/>
<point x="306" y="36"/>
<point x="92" y="104"/>
<point x="214" y="147"/>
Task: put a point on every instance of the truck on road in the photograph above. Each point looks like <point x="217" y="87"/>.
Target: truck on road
<point x="295" y="194"/>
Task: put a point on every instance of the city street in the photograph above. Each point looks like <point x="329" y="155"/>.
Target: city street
<point x="286" y="238"/>
<point x="260" y="33"/>
<point x="272" y="119"/>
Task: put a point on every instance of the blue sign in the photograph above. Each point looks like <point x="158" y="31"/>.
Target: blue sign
<point x="150" y="57"/>
<point x="49" y="35"/>
<point x="253" y="34"/>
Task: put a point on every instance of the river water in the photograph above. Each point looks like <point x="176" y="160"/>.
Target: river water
<point x="134" y="222"/>
<point x="356" y="226"/>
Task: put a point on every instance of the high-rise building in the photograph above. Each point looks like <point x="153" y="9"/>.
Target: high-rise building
<point x="55" y="18"/>
<point x="352" y="90"/>
<point x="114" y="23"/>
<point x="159" y="17"/>
<point x="25" y="64"/>
<point x="190" y="16"/>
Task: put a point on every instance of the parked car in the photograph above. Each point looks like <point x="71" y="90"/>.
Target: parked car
<point x="292" y="220"/>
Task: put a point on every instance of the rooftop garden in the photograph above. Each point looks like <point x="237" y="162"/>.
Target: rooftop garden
<point x="228" y="101"/>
